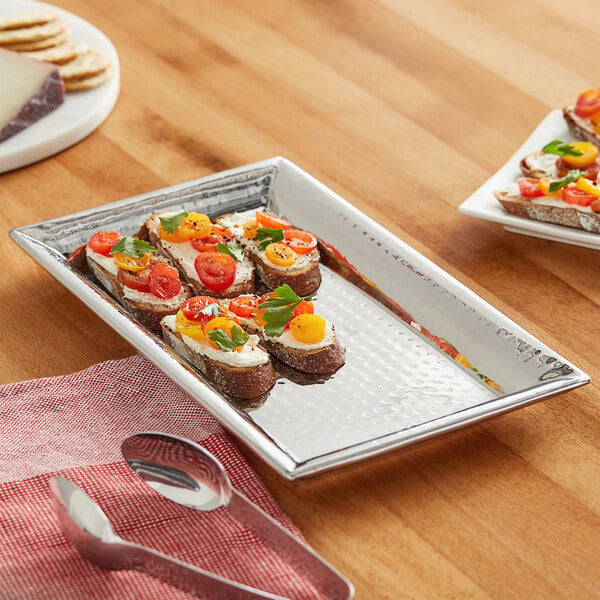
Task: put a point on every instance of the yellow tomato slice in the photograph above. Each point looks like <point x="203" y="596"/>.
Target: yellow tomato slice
<point x="194" y="225"/>
<point x="585" y="185"/>
<point x="174" y="238"/>
<point x="190" y="328"/>
<point x="280" y="254"/>
<point x="589" y="153"/>
<point x="132" y="263"/>
<point x="308" y="328"/>
<point x="250" y="229"/>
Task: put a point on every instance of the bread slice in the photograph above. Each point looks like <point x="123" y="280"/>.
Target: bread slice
<point x="304" y="278"/>
<point x="538" y="165"/>
<point x="327" y="359"/>
<point x="183" y="260"/>
<point x="238" y="382"/>
<point x="579" y="128"/>
<point x="551" y="212"/>
<point x="148" y="314"/>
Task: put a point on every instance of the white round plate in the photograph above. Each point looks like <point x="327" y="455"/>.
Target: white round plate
<point x="80" y="113"/>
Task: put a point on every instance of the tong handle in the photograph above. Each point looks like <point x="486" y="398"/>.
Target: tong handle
<point x="189" y="578"/>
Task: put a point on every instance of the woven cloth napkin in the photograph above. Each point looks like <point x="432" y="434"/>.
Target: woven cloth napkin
<point x="73" y="425"/>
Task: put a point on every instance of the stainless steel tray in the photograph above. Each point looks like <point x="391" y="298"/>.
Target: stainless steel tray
<point x="396" y="388"/>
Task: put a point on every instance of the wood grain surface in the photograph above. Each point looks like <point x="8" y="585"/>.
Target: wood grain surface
<point x="404" y="108"/>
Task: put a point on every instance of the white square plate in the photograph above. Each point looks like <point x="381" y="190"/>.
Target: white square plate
<point x="483" y="205"/>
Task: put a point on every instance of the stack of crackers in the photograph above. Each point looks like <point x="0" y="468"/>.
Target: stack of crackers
<point x="44" y="36"/>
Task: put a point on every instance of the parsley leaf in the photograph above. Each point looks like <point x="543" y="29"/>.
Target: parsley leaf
<point x="559" y="148"/>
<point x="279" y="309"/>
<point x="130" y="246"/>
<point x="170" y="224"/>
<point x="225" y="343"/>
<point x="233" y="249"/>
<point x="568" y="178"/>
<point x="268" y="236"/>
<point x="210" y="310"/>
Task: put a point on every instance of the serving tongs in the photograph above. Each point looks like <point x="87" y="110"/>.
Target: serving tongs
<point x="187" y="474"/>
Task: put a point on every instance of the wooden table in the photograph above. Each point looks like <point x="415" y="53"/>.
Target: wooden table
<point x="404" y="108"/>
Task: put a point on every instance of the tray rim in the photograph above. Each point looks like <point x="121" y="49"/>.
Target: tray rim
<point x="185" y="376"/>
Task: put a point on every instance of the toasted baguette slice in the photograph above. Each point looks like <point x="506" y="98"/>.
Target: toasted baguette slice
<point x="538" y="165"/>
<point x="183" y="258"/>
<point x="318" y="360"/>
<point x="304" y="277"/>
<point x="239" y="382"/>
<point x="579" y="128"/>
<point x="535" y="210"/>
<point x="147" y="313"/>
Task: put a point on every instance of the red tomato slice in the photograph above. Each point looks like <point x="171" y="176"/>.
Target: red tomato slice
<point x="300" y="241"/>
<point x="573" y="195"/>
<point x="271" y="221"/>
<point x="211" y="242"/>
<point x="595" y="205"/>
<point x="304" y="307"/>
<point x="243" y="306"/>
<point x="592" y="170"/>
<point x="215" y="270"/>
<point x="103" y="242"/>
<point x="136" y="281"/>
<point x="588" y="103"/>
<point x="192" y="306"/>
<point x="529" y="187"/>
<point x="163" y="281"/>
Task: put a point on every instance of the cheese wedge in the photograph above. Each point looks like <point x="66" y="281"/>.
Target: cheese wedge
<point x="30" y="90"/>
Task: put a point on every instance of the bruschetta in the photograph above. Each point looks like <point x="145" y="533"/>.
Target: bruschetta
<point x="572" y="201"/>
<point x="128" y="268"/>
<point x="290" y="330"/>
<point x="207" y="256"/>
<point x="212" y="340"/>
<point x="557" y="158"/>
<point x="281" y="253"/>
<point x="583" y="117"/>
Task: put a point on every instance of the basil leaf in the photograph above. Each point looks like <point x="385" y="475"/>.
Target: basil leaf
<point x="170" y="224"/>
<point x="233" y="249"/>
<point x="130" y="246"/>
<point x="210" y="310"/>
<point x="559" y="148"/>
<point x="225" y="343"/>
<point x="568" y="178"/>
<point x="239" y="336"/>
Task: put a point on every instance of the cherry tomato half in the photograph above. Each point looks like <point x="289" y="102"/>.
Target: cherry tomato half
<point x="215" y="270"/>
<point x="163" y="281"/>
<point x="573" y="195"/>
<point x="588" y="103"/>
<point x="211" y="242"/>
<point x="304" y="308"/>
<point x="529" y="187"/>
<point x="192" y="306"/>
<point x="300" y="241"/>
<point x="103" y="242"/>
<point x="271" y="221"/>
<point x="132" y="263"/>
<point x="280" y="254"/>
<point x="136" y="281"/>
<point x="244" y="306"/>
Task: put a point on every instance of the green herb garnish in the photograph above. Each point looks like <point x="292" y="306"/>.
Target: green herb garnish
<point x="568" y="178"/>
<point x="233" y="249"/>
<point x="559" y="148"/>
<point x="268" y="236"/>
<point x="279" y="309"/>
<point x="210" y="310"/>
<point x="131" y="246"/>
<point x="170" y="224"/>
<point x="225" y="343"/>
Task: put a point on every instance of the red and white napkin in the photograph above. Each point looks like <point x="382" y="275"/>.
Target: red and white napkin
<point x="73" y="425"/>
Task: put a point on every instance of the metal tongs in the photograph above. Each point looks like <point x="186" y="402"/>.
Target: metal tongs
<point x="187" y="474"/>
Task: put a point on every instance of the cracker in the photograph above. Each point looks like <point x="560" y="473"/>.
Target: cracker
<point x="25" y="19"/>
<point x="77" y="85"/>
<point x="86" y="65"/>
<point x="32" y="34"/>
<point x="59" y="55"/>
<point x="50" y="42"/>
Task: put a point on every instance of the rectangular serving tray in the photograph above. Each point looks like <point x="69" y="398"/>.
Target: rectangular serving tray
<point x="396" y="388"/>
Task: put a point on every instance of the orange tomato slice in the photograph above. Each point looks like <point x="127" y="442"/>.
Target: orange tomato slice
<point x="132" y="263"/>
<point x="280" y="254"/>
<point x="308" y="328"/>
